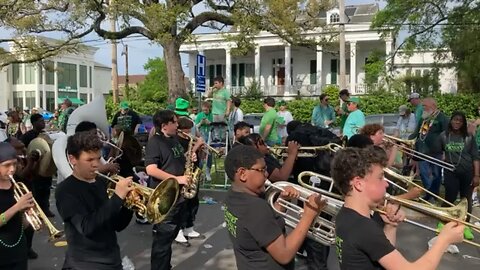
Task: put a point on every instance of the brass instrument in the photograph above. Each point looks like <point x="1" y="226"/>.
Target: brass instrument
<point x="406" y="146"/>
<point x="322" y="229"/>
<point x="210" y="148"/>
<point x="35" y="216"/>
<point x="193" y="173"/>
<point x="43" y="145"/>
<point x="305" y="151"/>
<point x="152" y="204"/>
<point x="455" y="213"/>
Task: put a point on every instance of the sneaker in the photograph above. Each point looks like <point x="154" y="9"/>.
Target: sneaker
<point x="32" y="255"/>
<point x="181" y="238"/>
<point x="440" y="226"/>
<point x="467" y="233"/>
<point x="208" y="176"/>
<point x="189" y="232"/>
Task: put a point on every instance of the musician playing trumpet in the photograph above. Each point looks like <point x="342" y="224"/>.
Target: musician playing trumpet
<point x="362" y="242"/>
<point x="256" y="231"/>
<point x="13" y="243"/>
<point x="91" y="218"/>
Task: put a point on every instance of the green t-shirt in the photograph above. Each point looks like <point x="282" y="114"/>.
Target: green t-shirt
<point x="204" y="129"/>
<point x="344" y="116"/>
<point x="270" y="118"/>
<point x="418" y="113"/>
<point x="220" y="98"/>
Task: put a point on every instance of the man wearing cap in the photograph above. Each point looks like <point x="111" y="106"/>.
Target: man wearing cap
<point x="355" y="119"/>
<point x="127" y="119"/>
<point x="181" y="107"/>
<point x="414" y="99"/>
<point x="221" y="105"/>
<point x="67" y="109"/>
<point x="406" y="123"/>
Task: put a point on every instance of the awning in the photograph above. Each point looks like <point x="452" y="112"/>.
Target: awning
<point x="75" y="101"/>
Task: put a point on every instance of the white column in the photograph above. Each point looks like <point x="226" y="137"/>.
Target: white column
<point x="55" y="85"/>
<point x="228" y="68"/>
<point x="288" y="67"/>
<point x="388" y="51"/>
<point x="89" y="90"/>
<point x="93" y="82"/>
<point x="24" y="82"/>
<point x="319" y="68"/>
<point x="37" y="88"/>
<point x="192" y="61"/>
<point x="353" y="67"/>
<point x="44" y="91"/>
<point x="257" y="65"/>
<point x="78" y="81"/>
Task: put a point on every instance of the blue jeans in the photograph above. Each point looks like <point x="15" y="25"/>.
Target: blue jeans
<point x="431" y="176"/>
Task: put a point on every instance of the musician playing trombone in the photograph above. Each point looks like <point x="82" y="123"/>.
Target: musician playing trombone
<point x="256" y="231"/>
<point x="91" y="218"/>
<point x="13" y="243"/>
<point x="361" y="242"/>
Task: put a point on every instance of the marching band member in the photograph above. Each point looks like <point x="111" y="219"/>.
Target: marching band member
<point x="256" y="231"/>
<point x="91" y="218"/>
<point x="240" y="129"/>
<point x="358" y="174"/>
<point x="13" y="243"/>
<point x="376" y="132"/>
<point x="164" y="159"/>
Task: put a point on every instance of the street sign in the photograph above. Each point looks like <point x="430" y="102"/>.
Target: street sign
<point x="200" y="73"/>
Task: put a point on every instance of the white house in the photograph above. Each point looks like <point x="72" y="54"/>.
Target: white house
<point x="283" y="70"/>
<point x="76" y="76"/>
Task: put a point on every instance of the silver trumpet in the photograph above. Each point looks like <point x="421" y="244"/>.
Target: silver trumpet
<point x="322" y="229"/>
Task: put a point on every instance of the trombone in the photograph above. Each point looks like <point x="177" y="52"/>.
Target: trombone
<point x="407" y="146"/>
<point x="209" y="148"/>
<point x="35" y="216"/>
<point x="322" y="229"/>
<point x="455" y="213"/>
<point x="152" y="204"/>
<point x="304" y="151"/>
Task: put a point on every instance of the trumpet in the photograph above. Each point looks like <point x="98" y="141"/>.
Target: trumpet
<point x="406" y="146"/>
<point x="210" y="148"/>
<point x="304" y="151"/>
<point x="35" y="216"/>
<point x="322" y="229"/>
<point x="152" y="204"/>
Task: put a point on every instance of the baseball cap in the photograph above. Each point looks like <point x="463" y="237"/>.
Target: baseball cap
<point x="124" y="105"/>
<point x="413" y="95"/>
<point x="402" y="110"/>
<point x="354" y="99"/>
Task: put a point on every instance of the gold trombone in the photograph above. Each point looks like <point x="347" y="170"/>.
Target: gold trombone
<point x="406" y="146"/>
<point x="210" y="148"/>
<point x="305" y="151"/>
<point x="152" y="204"/>
<point x="35" y="216"/>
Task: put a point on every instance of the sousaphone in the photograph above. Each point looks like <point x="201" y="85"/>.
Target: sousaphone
<point x="43" y="145"/>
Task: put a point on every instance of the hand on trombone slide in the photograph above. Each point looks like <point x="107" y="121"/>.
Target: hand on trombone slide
<point x="392" y="215"/>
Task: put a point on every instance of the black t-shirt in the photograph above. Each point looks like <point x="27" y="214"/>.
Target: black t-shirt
<point x="253" y="225"/>
<point x="360" y="241"/>
<point x="167" y="153"/>
<point x="460" y="151"/>
<point x="91" y="222"/>
<point x="127" y="121"/>
<point x="11" y="232"/>
<point x="29" y="136"/>
<point x="272" y="164"/>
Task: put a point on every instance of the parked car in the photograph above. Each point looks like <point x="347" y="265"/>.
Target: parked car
<point x="387" y="120"/>
<point x="254" y="119"/>
<point x="147" y="123"/>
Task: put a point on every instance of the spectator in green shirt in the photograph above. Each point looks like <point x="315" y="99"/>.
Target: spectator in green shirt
<point x="67" y="109"/>
<point x="202" y="121"/>
<point x="269" y="123"/>
<point x="343" y="110"/>
<point x="221" y="105"/>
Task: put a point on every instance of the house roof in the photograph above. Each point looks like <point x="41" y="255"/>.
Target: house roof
<point x="132" y="79"/>
<point x="100" y="65"/>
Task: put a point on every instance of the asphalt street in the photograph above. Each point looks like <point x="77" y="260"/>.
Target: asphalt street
<point x="214" y="250"/>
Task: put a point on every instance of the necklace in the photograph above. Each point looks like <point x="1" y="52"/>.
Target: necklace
<point x="426" y="125"/>
<point x="17" y="242"/>
<point x="461" y="152"/>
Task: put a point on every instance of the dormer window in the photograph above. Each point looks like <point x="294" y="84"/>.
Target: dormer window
<point x="334" y="18"/>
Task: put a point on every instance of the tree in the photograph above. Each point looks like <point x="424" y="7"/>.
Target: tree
<point x="27" y="19"/>
<point x="172" y="22"/>
<point x="155" y="86"/>
<point x="438" y="24"/>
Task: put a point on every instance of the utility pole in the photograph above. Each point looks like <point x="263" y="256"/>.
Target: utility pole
<point x="341" y="8"/>
<point x="125" y="52"/>
<point x="114" y="63"/>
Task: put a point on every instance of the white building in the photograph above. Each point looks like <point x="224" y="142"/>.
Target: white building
<point x="283" y="70"/>
<point x="76" y="76"/>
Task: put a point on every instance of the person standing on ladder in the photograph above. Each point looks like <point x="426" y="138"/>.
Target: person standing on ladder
<point x="221" y="105"/>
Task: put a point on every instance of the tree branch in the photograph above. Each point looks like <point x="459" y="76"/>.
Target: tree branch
<point x="202" y="18"/>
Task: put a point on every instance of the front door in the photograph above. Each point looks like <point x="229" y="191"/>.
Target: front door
<point x="281" y="81"/>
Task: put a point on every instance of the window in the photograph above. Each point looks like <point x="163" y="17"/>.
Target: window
<point x="84" y="97"/>
<point x="211" y="74"/>
<point x="29" y="74"/>
<point x="241" y="75"/>
<point x="17" y="99"/>
<point x="40" y="71"/>
<point x="313" y="71"/>
<point x="30" y="99"/>
<point x="273" y="76"/>
<point x="67" y="76"/>
<point x="51" y="102"/>
<point x="90" y="78"/>
<point x="250" y="70"/>
<point x="333" y="71"/>
<point x="335" y="18"/>
<point x="17" y="78"/>
<point x="83" y="76"/>
<point x="49" y="72"/>
<point x="418" y="73"/>
<point x="234" y="75"/>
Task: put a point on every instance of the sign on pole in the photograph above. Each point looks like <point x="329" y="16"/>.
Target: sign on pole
<point x="200" y="74"/>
